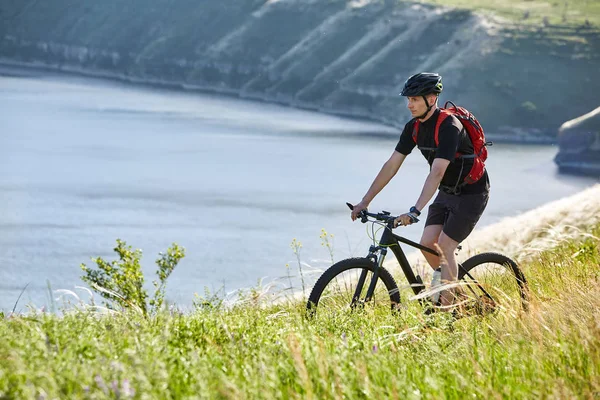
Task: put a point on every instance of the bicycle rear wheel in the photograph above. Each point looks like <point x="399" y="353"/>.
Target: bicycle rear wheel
<point x="492" y="282"/>
<point x="339" y="287"/>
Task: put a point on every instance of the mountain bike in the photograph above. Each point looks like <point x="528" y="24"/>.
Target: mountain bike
<point x="487" y="282"/>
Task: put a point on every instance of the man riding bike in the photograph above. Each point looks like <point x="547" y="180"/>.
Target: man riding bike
<point x="458" y="206"/>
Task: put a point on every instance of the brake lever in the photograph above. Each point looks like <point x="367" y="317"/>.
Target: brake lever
<point x="362" y="214"/>
<point x="363" y="217"/>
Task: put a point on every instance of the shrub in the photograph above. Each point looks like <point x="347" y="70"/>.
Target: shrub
<point x="122" y="281"/>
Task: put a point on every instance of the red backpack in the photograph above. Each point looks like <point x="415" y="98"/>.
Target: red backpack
<point x="475" y="132"/>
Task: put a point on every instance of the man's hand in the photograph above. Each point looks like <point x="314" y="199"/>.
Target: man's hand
<point x="405" y="219"/>
<point x="357" y="209"/>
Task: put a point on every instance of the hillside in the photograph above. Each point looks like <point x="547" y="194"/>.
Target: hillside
<point x="521" y="79"/>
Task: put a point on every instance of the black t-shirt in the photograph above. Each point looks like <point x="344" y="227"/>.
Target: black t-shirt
<point x="452" y="138"/>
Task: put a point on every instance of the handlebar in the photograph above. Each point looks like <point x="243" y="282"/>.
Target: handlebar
<point x="384" y="216"/>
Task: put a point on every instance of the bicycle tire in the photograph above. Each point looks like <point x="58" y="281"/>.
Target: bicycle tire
<point x="498" y="276"/>
<point x="358" y="264"/>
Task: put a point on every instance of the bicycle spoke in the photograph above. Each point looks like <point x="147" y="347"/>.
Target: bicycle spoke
<point x="492" y="287"/>
<point x="348" y="290"/>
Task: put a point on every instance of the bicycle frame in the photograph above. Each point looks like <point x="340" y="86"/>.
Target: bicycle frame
<point x="391" y="240"/>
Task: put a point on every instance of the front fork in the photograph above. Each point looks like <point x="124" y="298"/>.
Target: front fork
<point x="363" y="276"/>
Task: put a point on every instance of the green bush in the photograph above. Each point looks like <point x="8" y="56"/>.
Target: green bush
<point x="122" y="281"/>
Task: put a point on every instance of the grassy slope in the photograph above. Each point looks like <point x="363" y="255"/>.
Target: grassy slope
<point x="563" y="34"/>
<point x="557" y="12"/>
<point x="273" y="352"/>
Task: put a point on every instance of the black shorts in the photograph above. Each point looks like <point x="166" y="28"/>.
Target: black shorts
<point x="458" y="214"/>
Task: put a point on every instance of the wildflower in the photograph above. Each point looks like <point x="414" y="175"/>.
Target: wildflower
<point x="126" y="389"/>
<point x="100" y="382"/>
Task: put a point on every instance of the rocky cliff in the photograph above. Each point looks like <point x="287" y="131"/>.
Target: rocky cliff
<point x="579" y="144"/>
<point x="334" y="56"/>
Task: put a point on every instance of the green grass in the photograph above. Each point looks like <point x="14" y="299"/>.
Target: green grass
<point x="556" y="12"/>
<point x="255" y="350"/>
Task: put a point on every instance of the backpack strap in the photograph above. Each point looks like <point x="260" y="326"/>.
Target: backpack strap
<point x="415" y="130"/>
<point x="443" y="115"/>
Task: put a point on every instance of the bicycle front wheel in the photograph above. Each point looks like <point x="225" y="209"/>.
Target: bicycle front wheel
<point x="491" y="282"/>
<point x="345" y="284"/>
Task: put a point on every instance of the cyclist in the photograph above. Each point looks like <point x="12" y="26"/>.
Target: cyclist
<point x="457" y="207"/>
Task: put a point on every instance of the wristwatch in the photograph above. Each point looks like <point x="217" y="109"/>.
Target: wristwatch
<point x="414" y="210"/>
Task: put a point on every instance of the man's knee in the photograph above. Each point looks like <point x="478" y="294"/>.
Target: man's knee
<point x="446" y="243"/>
<point x="430" y="236"/>
<point x="428" y="241"/>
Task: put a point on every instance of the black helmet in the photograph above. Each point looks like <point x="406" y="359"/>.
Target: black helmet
<point x="422" y="84"/>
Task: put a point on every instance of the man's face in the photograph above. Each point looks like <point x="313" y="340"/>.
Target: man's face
<point x="417" y="106"/>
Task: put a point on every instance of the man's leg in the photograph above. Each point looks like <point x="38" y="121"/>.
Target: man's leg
<point x="450" y="268"/>
<point x="461" y="221"/>
<point x="431" y="233"/>
<point x="436" y="217"/>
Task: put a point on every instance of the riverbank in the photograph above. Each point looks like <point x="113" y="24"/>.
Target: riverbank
<point x="37" y="69"/>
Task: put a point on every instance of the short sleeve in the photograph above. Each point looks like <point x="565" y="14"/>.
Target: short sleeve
<point x="449" y="138"/>
<point x="406" y="143"/>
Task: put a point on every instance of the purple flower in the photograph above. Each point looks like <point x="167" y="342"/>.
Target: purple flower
<point x="375" y="348"/>
<point x="115" y="388"/>
<point x="126" y="388"/>
<point x="101" y="384"/>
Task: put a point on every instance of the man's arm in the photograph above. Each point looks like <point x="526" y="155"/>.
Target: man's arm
<point x="387" y="172"/>
<point x="438" y="169"/>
